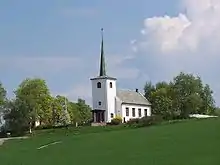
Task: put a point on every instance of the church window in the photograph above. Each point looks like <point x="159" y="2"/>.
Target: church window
<point x="100" y="103"/>
<point x="145" y="111"/>
<point x="99" y="85"/>
<point x="112" y="115"/>
<point x="139" y="112"/>
<point x="127" y="111"/>
<point x="110" y="84"/>
<point x="133" y="112"/>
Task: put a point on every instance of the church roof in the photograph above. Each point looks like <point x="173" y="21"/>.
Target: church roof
<point x="132" y="97"/>
<point x="103" y="77"/>
<point x="102" y="69"/>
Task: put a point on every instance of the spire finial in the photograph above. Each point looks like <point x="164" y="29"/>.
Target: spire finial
<point x="102" y="62"/>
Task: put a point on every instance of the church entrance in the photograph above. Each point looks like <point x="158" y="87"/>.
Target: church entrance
<point x="98" y="116"/>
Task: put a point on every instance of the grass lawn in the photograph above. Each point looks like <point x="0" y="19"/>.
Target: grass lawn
<point x="186" y="143"/>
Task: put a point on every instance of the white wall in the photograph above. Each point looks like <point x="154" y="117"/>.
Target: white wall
<point x="106" y="95"/>
<point x="99" y="94"/>
<point x="124" y="106"/>
<point x="118" y="106"/>
<point x="111" y="95"/>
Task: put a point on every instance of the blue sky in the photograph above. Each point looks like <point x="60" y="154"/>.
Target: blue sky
<point x="59" y="41"/>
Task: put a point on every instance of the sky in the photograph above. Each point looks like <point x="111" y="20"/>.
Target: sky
<point x="144" y="40"/>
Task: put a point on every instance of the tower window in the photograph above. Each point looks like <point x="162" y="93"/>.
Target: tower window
<point x="99" y="85"/>
<point x="112" y="115"/>
<point x="100" y="103"/>
<point x="110" y="84"/>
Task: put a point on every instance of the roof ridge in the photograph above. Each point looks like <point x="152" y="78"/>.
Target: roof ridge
<point x="144" y="97"/>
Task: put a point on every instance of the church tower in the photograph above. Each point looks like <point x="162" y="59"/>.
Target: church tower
<point x="103" y="93"/>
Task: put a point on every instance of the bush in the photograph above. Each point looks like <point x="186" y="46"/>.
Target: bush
<point x="42" y="127"/>
<point x="145" y="121"/>
<point x="116" y="121"/>
<point x="133" y="122"/>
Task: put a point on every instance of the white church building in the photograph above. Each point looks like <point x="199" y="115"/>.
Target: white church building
<point x="109" y="102"/>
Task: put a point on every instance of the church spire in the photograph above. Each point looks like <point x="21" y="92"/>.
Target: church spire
<point x="102" y="60"/>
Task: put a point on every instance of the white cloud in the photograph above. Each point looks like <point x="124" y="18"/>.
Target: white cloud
<point x="187" y="42"/>
<point x="184" y="32"/>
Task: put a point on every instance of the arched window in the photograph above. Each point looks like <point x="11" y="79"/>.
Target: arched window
<point x="110" y="84"/>
<point x="99" y="85"/>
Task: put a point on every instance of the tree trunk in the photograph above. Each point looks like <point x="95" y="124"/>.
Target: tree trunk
<point x="30" y="131"/>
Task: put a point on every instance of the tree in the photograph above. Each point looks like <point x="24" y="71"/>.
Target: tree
<point x="185" y="95"/>
<point x="57" y="108"/>
<point x="84" y="111"/>
<point x="16" y="117"/>
<point x="33" y="100"/>
<point x="148" y="89"/>
<point x="2" y="102"/>
<point x="216" y="111"/>
<point x="191" y="95"/>
<point x="208" y="100"/>
<point x="74" y="113"/>
<point x="60" y="110"/>
<point x="162" y="103"/>
<point x="2" y="95"/>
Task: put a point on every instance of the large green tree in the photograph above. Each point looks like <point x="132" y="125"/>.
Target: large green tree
<point x="32" y="103"/>
<point x="185" y="95"/>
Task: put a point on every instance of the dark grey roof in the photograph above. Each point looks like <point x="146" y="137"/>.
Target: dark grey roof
<point x="132" y="97"/>
<point x="103" y="77"/>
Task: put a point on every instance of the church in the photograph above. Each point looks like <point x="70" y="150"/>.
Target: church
<point x="110" y="102"/>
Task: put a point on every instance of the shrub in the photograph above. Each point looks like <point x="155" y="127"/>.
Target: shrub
<point x="133" y="122"/>
<point x="145" y="121"/>
<point x="116" y="121"/>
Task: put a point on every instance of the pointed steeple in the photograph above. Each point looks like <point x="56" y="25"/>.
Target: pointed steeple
<point x="102" y="60"/>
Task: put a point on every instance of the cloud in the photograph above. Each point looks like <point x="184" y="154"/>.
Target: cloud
<point x="184" y="32"/>
<point x="187" y="42"/>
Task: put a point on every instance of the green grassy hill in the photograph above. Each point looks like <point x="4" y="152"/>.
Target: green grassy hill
<point x="186" y="143"/>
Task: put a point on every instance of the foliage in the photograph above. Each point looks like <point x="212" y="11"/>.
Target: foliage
<point x="145" y="121"/>
<point x="84" y="111"/>
<point x="34" y="103"/>
<point x="116" y="121"/>
<point x="2" y="102"/>
<point x="217" y="111"/>
<point x="60" y="111"/>
<point x="185" y="95"/>
<point x="2" y="95"/>
<point x="35" y="98"/>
